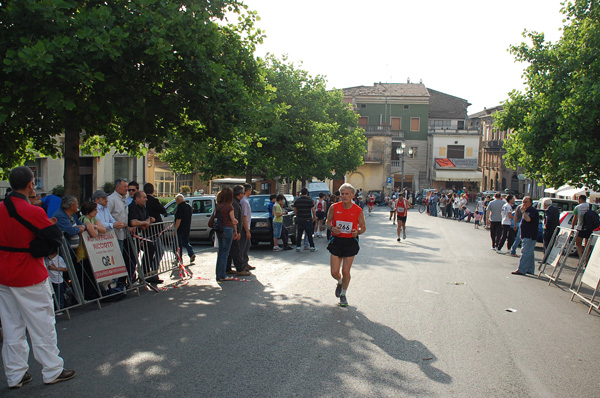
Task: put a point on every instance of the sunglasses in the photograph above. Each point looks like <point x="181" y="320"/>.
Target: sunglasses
<point x="132" y="190"/>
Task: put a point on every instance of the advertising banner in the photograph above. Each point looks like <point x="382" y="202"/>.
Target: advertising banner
<point x="105" y="256"/>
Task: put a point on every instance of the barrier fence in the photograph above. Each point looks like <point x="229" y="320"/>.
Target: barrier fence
<point x="104" y="268"/>
<point x="557" y="253"/>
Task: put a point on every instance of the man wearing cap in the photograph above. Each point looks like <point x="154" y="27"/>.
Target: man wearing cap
<point x="109" y="222"/>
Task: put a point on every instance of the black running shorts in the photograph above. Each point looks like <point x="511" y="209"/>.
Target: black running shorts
<point x="403" y="219"/>
<point x="584" y="234"/>
<point x="343" y="247"/>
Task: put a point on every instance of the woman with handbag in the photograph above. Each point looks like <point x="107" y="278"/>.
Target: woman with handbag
<point x="223" y="223"/>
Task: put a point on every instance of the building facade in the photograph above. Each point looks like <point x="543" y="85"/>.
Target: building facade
<point x="453" y="150"/>
<point x="393" y="115"/>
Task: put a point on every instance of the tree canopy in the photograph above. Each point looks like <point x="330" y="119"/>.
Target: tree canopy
<point x="122" y="74"/>
<point x="556" y="120"/>
<point x="299" y="130"/>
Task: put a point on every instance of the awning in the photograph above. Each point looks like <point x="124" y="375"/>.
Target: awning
<point x="234" y="180"/>
<point x="569" y="193"/>
<point x="555" y="190"/>
<point x="457" y="175"/>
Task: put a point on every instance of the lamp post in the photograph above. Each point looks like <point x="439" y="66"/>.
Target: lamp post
<point x="400" y="152"/>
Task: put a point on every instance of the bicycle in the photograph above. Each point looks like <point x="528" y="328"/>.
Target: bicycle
<point x="422" y="208"/>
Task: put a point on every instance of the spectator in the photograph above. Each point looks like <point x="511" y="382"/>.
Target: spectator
<point x="66" y="221"/>
<point x="494" y="214"/>
<point x="235" y="255"/>
<point x="224" y="211"/>
<point x="139" y="219"/>
<point x="92" y="225"/>
<point x="507" y="224"/>
<point x="183" y="224"/>
<point x="246" y="220"/>
<point x="56" y="267"/>
<point x="132" y="188"/>
<point x="156" y="211"/>
<point x="551" y="220"/>
<point x="51" y="203"/>
<point x="578" y="218"/>
<point x="529" y="232"/>
<point x="278" y="226"/>
<point x="117" y="205"/>
<point x="305" y="215"/>
<point x="25" y="305"/>
<point x="518" y="216"/>
<point x="108" y="221"/>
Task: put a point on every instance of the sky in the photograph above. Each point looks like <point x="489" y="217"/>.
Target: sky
<point x="457" y="47"/>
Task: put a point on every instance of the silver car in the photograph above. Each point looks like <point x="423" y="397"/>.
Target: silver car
<point x="202" y="209"/>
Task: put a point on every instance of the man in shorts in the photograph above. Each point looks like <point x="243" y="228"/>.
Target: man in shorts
<point x="346" y="221"/>
<point x="402" y="206"/>
<point x="578" y="214"/>
<point x="392" y="206"/>
<point x="371" y="202"/>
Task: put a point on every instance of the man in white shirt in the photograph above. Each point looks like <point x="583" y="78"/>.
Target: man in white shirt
<point x="508" y="233"/>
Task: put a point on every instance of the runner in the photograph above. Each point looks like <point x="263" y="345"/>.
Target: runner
<point x="346" y="221"/>
<point x="320" y="208"/>
<point x="392" y="206"/>
<point x="371" y="202"/>
<point x="402" y="206"/>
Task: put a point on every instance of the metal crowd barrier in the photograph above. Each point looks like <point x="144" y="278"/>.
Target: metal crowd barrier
<point x="154" y="250"/>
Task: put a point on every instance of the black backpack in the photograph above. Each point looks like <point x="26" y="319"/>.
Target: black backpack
<point x="591" y="221"/>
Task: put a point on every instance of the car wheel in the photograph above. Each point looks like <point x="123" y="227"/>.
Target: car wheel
<point x="212" y="237"/>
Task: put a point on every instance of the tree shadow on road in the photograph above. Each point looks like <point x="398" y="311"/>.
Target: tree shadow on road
<point x="241" y="339"/>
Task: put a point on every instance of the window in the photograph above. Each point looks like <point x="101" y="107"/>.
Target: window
<point x="122" y="167"/>
<point x="363" y="121"/>
<point x="265" y="187"/>
<point x="456" y="151"/>
<point x="164" y="182"/>
<point x="415" y="123"/>
<point x="461" y="124"/>
<point x="440" y="123"/>
<point x="185" y="179"/>
<point x="396" y="123"/>
<point x="406" y="106"/>
<point x="362" y="106"/>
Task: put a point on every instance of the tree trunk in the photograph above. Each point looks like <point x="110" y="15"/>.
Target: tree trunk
<point x="294" y="192"/>
<point x="249" y="175"/>
<point x="71" y="176"/>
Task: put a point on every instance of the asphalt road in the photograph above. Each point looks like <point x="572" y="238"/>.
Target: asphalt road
<point x="427" y="318"/>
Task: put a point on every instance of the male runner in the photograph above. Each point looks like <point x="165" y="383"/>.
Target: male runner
<point x="392" y="205"/>
<point x="402" y="206"/>
<point x="371" y="202"/>
<point x="346" y="221"/>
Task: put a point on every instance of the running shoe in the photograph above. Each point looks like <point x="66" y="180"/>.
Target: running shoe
<point x="404" y="236"/>
<point x="297" y="248"/>
<point x="276" y="248"/>
<point x="343" y="301"/>
<point x="338" y="290"/>
<point x="398" y="239"/>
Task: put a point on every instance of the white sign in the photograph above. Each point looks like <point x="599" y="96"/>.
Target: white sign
<point x="559" y="244"/>
<point x="591" y="276"/>
<point x="105" y="256"/>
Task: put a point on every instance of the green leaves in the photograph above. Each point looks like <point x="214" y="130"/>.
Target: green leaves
<point x="556" y="121"/>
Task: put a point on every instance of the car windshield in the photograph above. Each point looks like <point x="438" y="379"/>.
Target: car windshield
<point x="258" y="203"/>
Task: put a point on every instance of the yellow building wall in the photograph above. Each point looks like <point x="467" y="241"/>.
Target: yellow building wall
<point x="369" y="177"/>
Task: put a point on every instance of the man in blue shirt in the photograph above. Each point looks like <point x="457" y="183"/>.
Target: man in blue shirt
<point x="66" y="221"/>
<point x="529" y="232"/>
<point x="109" y="222"/>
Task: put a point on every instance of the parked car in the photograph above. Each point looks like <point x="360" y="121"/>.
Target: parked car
<point x="260" y="225"/>
<point x="560" y="204"/>
<point x="514" y="193"/>
<point x="202" y="209"/>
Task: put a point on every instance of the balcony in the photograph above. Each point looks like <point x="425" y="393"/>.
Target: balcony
<point x="381" y="130"/>
<point x="493" y="144"/>
<point x="373" y="157"/>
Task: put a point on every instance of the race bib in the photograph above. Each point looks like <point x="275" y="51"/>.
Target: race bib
<point x="345" y="227"/>
<point x="400" y="209"/>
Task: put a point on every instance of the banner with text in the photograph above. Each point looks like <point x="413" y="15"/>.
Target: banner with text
<point x="105" y="256"/>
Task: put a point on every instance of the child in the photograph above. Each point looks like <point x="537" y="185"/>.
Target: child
<point x="56" y="266"/>
<point x="477" y="219"/>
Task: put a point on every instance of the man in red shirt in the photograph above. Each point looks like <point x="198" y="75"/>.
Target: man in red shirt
<point x="402" y="206"/>
<point x="25" y="295"/>
<point x="346" y="221"/>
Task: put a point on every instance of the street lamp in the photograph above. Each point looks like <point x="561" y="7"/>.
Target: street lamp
<point x="400" y="152"/>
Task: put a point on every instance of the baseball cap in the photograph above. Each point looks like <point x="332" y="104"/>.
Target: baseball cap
<point x="99" y="194"/>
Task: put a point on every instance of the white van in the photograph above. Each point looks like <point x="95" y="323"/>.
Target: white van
<point x="315" y="188"/>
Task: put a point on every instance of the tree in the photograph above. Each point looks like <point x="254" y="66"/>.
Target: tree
<point x="124" y="74"/>
<point x="556" y="121"/>
<point x="299" y="130"/>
